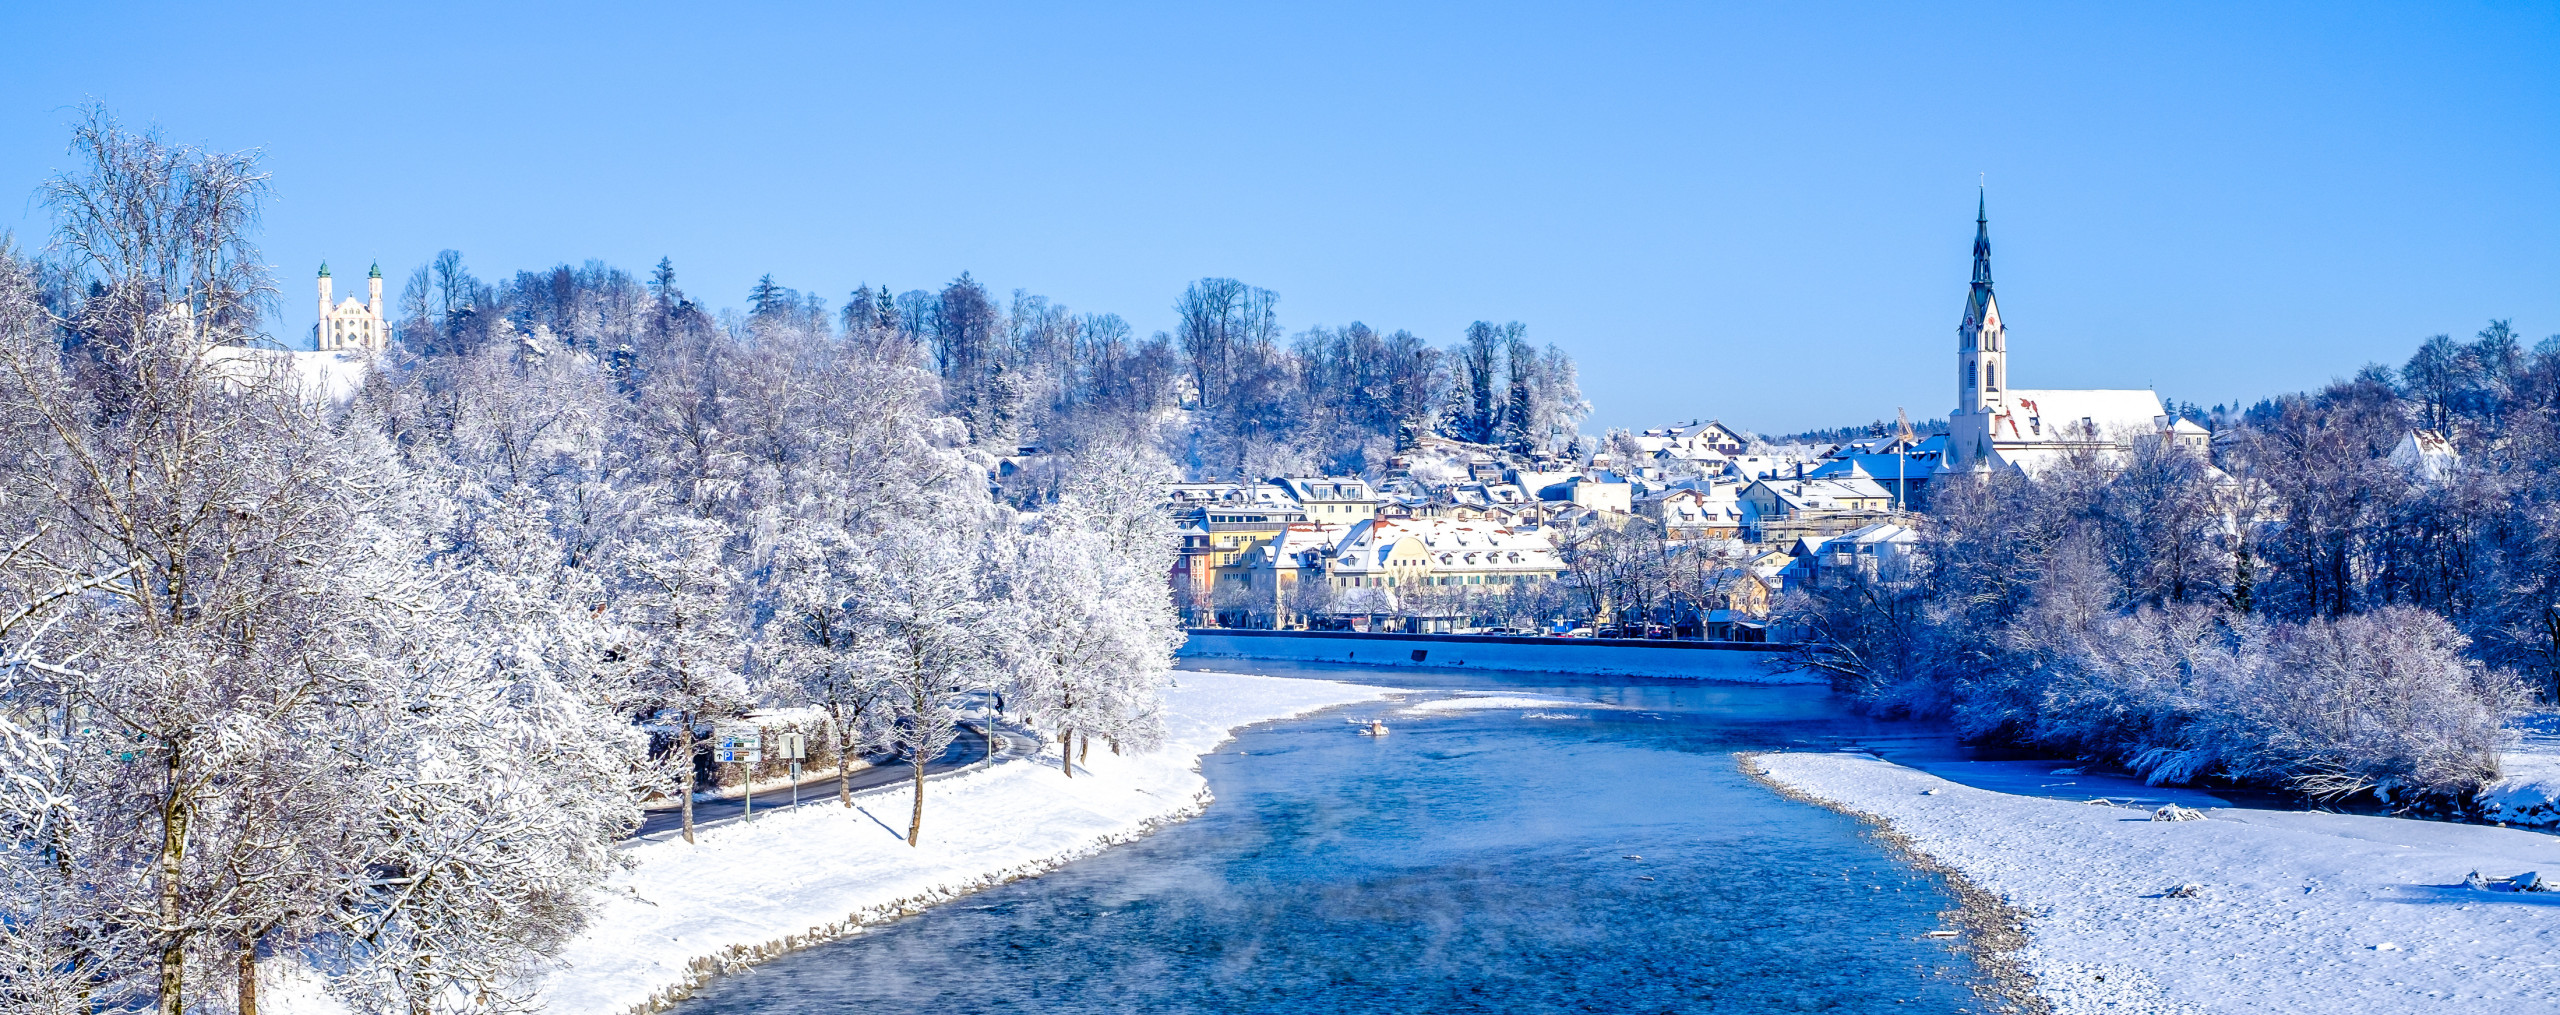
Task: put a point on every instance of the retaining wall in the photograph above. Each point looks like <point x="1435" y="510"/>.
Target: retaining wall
<point x="1733" y="662"/>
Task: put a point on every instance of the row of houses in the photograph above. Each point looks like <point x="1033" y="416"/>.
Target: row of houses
<point x="1446" y="523"/>
<point x="1340" y="547"/>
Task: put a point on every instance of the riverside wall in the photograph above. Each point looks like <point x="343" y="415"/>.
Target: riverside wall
<point x="1730" y="662"/>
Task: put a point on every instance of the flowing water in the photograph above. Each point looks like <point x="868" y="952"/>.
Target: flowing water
<point x="1608" y="857"/>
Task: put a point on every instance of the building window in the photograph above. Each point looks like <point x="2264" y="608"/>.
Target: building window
<point x="1991" y="375"/>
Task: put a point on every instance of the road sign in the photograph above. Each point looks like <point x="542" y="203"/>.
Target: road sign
<point x="792" y="746"/>
<point x="745" y="748"/>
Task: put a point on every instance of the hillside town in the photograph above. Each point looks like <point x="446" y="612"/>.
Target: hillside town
<point x="1687" y="531"/>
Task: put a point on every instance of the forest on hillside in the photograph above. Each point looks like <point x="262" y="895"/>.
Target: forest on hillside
<point x="1227" y="394"/>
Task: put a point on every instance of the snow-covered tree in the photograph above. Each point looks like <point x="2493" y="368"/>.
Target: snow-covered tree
<point x="922" y="604"/>
<point x="814" y="648"/>
<point x="266" y="719"/>
<point x="675" y="598"/>
<point x="1089" y="618"/>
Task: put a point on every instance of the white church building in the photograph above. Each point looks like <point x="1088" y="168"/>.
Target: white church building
<point x="351" y="325"/>
<point x="1995" y="425"/>
<point x="345" y="341"/>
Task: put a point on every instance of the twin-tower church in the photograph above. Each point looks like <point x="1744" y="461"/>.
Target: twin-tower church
<point x="351" y="326"/>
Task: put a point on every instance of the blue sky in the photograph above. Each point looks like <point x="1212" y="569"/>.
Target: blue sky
<point x="1755" y="212"/>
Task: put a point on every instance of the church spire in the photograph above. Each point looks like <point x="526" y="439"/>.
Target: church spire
<point x="1982" y="347"/>
<point x="1981" y="241"/>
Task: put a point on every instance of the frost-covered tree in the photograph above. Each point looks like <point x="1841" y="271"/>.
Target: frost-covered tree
<point x="366" y="685"/>
<point x="266" y="713"/>
<point x="923" y="605"/>
<point x="814" y="650"/>
<point x="676" y="600"/>
<point x="1088" y="622"/>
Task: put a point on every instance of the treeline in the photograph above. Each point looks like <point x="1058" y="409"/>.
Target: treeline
<point x="2347" y="595"/>
<point x="1846" y="434"/>
<point x="374" y="685"/>
<point x="1227" y="394"/>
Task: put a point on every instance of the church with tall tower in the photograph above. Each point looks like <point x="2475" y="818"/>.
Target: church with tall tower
<point x="1998" y="426"/>
<point x="351" y="326"/>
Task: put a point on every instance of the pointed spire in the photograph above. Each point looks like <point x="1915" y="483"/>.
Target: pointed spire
<point x="324" y="269"/>
<point x="376" y="272"/>
<point x="1982" y="241"/>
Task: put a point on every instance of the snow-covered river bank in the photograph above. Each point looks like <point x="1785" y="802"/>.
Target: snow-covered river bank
<point x="2244" y="910"/>
<point x="685" y="913"/>
<point x="748" y="892"/>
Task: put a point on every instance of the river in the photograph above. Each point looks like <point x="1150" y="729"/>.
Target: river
<point x="1607" y="856"/>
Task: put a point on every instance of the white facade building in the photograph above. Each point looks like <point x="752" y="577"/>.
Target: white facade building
<point x="351" y="326"/>
<point x="1392" y="552"/>
<point x="1995" y="425"/>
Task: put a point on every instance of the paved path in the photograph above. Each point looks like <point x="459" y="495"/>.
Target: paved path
<point x="971" y="747"/>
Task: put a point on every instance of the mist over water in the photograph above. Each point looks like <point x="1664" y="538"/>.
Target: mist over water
<point x="1471" y="861"/>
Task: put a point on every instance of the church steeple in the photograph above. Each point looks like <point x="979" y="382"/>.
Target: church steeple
<point x="1981" y="241"/>
<point x="1981" y="343"/>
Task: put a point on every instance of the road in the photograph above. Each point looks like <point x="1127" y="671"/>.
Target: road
<point x="815" y="788"/>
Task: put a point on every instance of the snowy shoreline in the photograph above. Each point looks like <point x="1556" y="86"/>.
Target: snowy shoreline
<point x="2282" y="911"/>
<point x="749" y="893"/>
<point x="685" y="914"/>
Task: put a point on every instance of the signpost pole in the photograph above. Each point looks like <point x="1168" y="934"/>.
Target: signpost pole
<point x="743" y="749"/>
<point x="795" y="746"/>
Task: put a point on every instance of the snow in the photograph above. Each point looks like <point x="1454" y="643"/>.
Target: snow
<point x="2527" y="791"/>
<point x="331" y="377"/>
<point x="811" y="874"/>
<point x="2291" y="911"/>
<point x="2047" y="778"/>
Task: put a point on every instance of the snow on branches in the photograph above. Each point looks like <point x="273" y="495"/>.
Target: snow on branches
<point x="368" y="684"/>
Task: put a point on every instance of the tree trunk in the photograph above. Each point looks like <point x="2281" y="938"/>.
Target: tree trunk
<point x="175" y="816"/>
<point x="248" y="976"/>
<point x="915" y="821"/>
<point x="421" y="1002"/>
<point x="1084" y="748"/>
<point x="844" y="766"/>
<point x="684" y="757"/>
<point x="1067" y="752"/>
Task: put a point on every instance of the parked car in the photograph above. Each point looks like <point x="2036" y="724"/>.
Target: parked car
<point x="1579" y="632"/>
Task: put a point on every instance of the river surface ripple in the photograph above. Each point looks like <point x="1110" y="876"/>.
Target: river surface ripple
<point x="1604" y="857"/>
